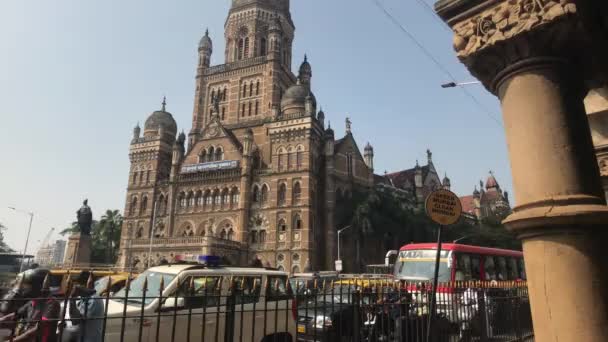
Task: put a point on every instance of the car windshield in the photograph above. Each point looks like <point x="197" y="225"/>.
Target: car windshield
<point x="136" y="288"/>
<point x="420" y="265"/>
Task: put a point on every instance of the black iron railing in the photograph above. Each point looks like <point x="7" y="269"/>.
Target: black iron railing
<point x="260" y="308"/>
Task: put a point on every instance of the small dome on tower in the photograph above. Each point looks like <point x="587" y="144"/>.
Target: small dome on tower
<point x="294" y="99"/>
<point x="369" y="148"/>
<point x="476" y="192"/>
<point x="206" y="43"/>
<point x="491" y="182"/>
<point x="305" y="68"/>
<point x="446" y="181"/>
<point x="181" y="138"/>
<point x="160" y="118"/>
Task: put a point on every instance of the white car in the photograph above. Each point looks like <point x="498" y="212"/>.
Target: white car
<point x="195" y="306"/>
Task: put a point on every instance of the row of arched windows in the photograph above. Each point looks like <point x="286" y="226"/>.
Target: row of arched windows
<point x="222" y="93"/>
<point x="243" y="48"/>
<point x="260" y="194"/>
<point x="210" y="199"/>
<point x="290" y="158"/>
<point x="211" y="154"/>
<point x="251" y="108"/>
<point x="139" y="207"/>
<point x="141" y="177"/>
<point x="296" y="223"/>
<point x="248" y="88"/>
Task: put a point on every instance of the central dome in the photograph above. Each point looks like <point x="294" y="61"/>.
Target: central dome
<point x="295" y="98"/>
<point x="281" y="5"/>
<point x="158" y="119"/>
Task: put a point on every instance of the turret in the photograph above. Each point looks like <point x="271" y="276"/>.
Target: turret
<point x="446" y="183"/>
<point x="136" y="132"/>
<point x="321" y="117"/>
<point x="178" y="155"/>
<point x="418" y="176"/>
<point x="368" y="155"/>
<point x="305" y="73"/>
<point x="309" y="106"/>
<point x="205" y="49"/>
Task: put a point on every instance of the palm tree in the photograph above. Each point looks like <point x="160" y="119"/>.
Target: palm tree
<point x="108" y="233"/>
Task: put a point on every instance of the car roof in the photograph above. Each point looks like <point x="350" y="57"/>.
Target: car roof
<point x="178" y="268"/>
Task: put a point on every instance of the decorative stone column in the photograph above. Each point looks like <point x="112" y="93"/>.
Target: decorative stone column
<point x="536" y="55"/>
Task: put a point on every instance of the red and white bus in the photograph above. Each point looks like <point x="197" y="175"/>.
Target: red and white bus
<point x="416" y="262"/>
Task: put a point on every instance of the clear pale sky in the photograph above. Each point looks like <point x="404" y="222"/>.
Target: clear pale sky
<point x="76" y="76"/>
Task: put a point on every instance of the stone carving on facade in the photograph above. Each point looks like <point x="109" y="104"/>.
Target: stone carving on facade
<point x="505" y="21"/>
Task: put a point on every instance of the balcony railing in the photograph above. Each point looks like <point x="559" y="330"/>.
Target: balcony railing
<point x="211" y="175"/>
<point x="236" y="65"/>
<point x="193" y="241"/>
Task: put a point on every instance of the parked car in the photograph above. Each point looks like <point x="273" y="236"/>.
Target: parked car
<point x="193" y="302"/>
<point x="309" y="283"/>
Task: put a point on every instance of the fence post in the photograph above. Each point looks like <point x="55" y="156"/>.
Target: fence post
<point x="230" y="313"/>
<point x="357" y="315"/>
<point x="483" y="314"/>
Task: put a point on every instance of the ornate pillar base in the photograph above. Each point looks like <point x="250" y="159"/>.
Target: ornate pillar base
<point x="78" y="251"/>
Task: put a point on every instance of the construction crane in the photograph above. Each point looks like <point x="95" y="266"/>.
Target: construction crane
<point x="45" y="241"/>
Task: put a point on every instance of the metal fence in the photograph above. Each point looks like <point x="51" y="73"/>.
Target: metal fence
<point x="242" y="310"/>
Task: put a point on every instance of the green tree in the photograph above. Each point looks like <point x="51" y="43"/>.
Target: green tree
<point x="4" y="248"/>
<point x="107" y="235"/>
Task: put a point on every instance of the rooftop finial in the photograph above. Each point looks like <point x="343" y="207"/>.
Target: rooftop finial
<point x="164" y="103"/>
<point x="348" y="125"/>
<point x="207" y="32"/>
<point x="305" y="58"/>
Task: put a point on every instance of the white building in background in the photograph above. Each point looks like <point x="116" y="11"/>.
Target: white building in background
<point x="51" y="254"/>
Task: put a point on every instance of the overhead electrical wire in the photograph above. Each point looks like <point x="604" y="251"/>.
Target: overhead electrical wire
<point x="430" y="56"/>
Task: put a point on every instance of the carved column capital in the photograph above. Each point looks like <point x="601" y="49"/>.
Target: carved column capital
<point x="495" y="38"/>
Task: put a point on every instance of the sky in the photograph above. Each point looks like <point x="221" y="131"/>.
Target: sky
<point x="76" y="76"/>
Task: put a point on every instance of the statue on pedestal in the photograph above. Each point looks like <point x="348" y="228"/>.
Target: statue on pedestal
<point x="84" y="216"/>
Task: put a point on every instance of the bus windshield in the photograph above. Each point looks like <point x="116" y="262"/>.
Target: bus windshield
<point x="419" y="265"/>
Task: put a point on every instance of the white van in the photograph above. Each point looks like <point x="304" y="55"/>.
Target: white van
<point x="195" y="306"/>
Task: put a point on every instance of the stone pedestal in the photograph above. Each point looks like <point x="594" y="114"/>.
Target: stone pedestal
<point x="539" y="58"/>
<point x="78" y="251"/>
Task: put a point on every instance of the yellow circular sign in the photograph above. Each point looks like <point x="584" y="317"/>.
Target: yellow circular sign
<point x="443" y="207"/>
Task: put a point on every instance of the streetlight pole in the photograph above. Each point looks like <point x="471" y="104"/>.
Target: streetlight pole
<point x="27" y="239"/>
<point x="454" y="84"/>
<point x="340" y="232"/>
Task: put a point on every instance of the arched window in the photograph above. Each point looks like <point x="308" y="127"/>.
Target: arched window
<point x="257" y="106"/>
<point x="166" y="205"/>
<point x="208" y="200"/>
<point x="223" y="113"/>
<point x="263" y="46"/>
<point x="297" y="193"/>
<point x="280" y="161"/>
<point x="202" y="158"/>
<point x="231" y="234"/>
<point x="198" y="199"/>
<point x="244" y="89"/>
<point x="144" y="205"/>
<point x="249" y="109"/>
<point x="246" y="51"/>
<point x="240" y="49"/>
<point x="282" y="195"/>
<point x="297" y="222"/>
<point x="254" y="237"/>
<point x="141" y="177"/>
<point x="223" y="234"/>
<point x="225" y="198"/>
<point x="299" y="157"/>
<point x="133" y="206"/>
<point x="161" y="204"/>
<point x="212" y="95"/>
<point x="257" y="88"/>
<point x="148" y="177"/>
<point x="182" y="200"/>
<point x="349" y="163"/>
<point x="250" y="88"/>
<point x="135" y="177"/>
<point x="296" y="269"/>
<point x="219" y="154"/>
<point x="234" y="201"/>
<point x="282" y="225"/>
<point x="211" y="154"/>
<point x="224" y="94"/>
<point x="243" y="110"/>
<point x="217" y="199"/>
<point x="190" y="202"/>
<point x="265" y="194"/>
<point x="256" y="194"/>
<point x="290" y="158"/>
<point x="262" y="236"/>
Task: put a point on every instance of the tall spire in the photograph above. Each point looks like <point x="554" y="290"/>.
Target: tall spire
<point x="164" y="104"/>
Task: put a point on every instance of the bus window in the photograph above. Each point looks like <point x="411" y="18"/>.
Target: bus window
<point x="463" y="267"/>
<point x="489" y="267"/>
<point x="475" y="267"/>
<point x="522" y="269"/>
<point x="502" y="268"/>
<point x="512" y="269"/>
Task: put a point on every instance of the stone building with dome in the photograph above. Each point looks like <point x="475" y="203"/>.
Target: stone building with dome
<point x="258" y="172"/>
<point x="488" y="203"/>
